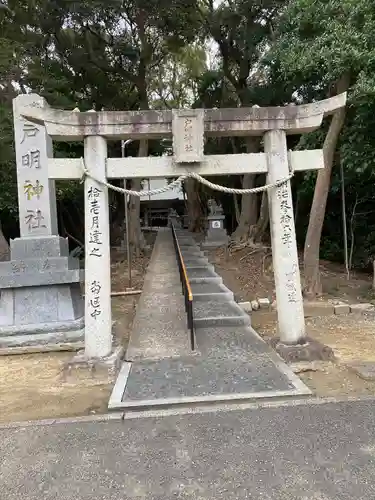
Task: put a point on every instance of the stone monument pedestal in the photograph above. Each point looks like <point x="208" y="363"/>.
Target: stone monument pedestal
<point x="40" y="296"/>
<point x="216" y="234"/>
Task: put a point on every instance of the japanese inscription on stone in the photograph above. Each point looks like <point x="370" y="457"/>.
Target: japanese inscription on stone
<point x="95" y="235"/>
<point x="188" y="135"/>
<point x="290" y="284"/>
<point x="35" y="192"/>
<point x="94" y="304"/>
<point x="287" y="240"/>
<point x="18" y="267"/>
<point x="29" y="130"/>
<point x="45" y="265"/>
<point x="31" y="159"/>
<point x="34" y="219"/>
<point x="32" y="188"/>
<point x="285" y="216"/>
<point x="188" y="130"/>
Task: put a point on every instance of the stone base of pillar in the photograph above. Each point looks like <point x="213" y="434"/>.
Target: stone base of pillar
<point x="94" y="367"/>
<point x="216" y="234"/>
<point x="40" y="296"/>
<point x="307" y="349"/>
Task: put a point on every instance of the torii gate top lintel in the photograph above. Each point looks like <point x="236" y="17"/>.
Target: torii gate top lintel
<point x="75" y="125"/>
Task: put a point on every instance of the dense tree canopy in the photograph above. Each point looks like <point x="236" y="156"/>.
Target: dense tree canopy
<point x="323" y="48"/>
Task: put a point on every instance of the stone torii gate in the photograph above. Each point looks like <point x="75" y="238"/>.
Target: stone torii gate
<point x="188" y="129"/>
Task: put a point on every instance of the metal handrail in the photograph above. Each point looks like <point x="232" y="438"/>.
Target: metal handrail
<point x="186" y="289"/>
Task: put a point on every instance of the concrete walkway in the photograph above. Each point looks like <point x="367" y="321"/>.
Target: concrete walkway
<point x="159" y="329"/>
<point x="306" y="452"/>
<point x="231" y="361"/>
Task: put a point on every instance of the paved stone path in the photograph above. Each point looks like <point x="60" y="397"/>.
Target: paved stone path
<point x="159" y="329"/>
<point x="231" y="361"/>
<point x="306" y="452"/>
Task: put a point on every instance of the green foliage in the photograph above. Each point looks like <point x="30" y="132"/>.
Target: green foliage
<point x="175" y="83"/>
<point x="8" y="197"/>
<point x="317" y="42"/>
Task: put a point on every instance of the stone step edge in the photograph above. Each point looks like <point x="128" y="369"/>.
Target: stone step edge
<point x="206" y="400"/>
<point x="191" y="266"/>
<point x="222" y="292"/>
<point x="211" y="279"/>
<point x="213" y="296"/>
<point x="238" y="313"/>
<point x="191" y="262"/>
<point x="222" y="321"/>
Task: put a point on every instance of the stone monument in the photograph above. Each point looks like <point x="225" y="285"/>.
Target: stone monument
<point x="216" y="234"/>
<point x="40" y="297"/>
<point x="174" y="219"/>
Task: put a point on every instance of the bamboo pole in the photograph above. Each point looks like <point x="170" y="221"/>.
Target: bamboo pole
<point x="129" y="292"/>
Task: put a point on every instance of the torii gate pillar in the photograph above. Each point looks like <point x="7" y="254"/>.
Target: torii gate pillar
<point x="291" y="321"/>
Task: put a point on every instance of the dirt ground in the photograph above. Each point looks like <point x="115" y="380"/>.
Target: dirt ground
<point x="248" y="274"/>
<point x="33" y="386"/>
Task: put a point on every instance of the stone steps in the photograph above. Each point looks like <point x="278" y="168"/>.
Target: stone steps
<point x="191" y="252"/>
<point x="194" y="266"/>
<point x="195" y="261"/>
<point x="219" y="313"/>
<point x="203" y="275"/>
<point x="210" y="291"/>
<point x="188" y="246"/>
<point x="186" y="241"/>
<point x="230" y="363"/>
<point x="213" y="302"/>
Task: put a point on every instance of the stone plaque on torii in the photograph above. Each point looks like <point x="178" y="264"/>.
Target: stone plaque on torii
<point x="187" y="128"/>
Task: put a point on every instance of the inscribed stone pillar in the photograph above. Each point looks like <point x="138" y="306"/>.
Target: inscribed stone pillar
<point x="98" y="315"/>
<point x="36" y="193"/>
<point x="291" y="322"/>
<point x="40" y="299"/>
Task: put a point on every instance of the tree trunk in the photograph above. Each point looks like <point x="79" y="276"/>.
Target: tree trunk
<point x="236" y="208"/>
<point x="117" y="215"/>
<point x="193" y="206"/>
<point x="136" y="239"/>
<point x="248" y="216"/>
<point x="4" y="247"/>
<point x="263" y="220"/>
<point x="313" y="286"/>
<point x="249" y="205"/>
